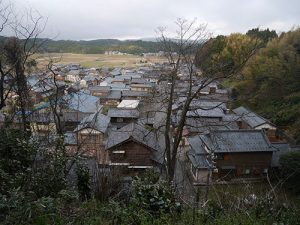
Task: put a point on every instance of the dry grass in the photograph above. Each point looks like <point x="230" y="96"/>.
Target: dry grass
<point x="97" y="60"/>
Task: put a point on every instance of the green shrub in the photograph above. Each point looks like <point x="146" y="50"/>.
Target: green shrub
<point x="83" y="181"/>
<point x="155" y="197"/>
<point x="290" y="170"/>
<point x="15" y="159"/>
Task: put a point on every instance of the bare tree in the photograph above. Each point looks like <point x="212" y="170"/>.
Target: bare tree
<point x="180" y="52"/>
<point x="55" y="100"/>
<point x="16" y="55"/>
<point x="5" y="14"/>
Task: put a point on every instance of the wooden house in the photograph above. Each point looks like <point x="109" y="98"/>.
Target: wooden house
<point x="142" y="87"/>
<point x="135" y="148"/>
<point x="138" y="95"/>
<point x="92" y="80"/>
<point x="230" y="154"/>
<point x="251" y="120"/>
<point x="112" y="98"/>
<point x="91" y="136"/>
<point x="100" y="90"/>
<point x="120" y="117"/>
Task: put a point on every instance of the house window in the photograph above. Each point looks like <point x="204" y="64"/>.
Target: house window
<point x="118" y="155"/>
<point x="247" y="171"/>
<point x="118" y="152"/>
<point x="227" y="169"/>
<point x="119" y="120"/>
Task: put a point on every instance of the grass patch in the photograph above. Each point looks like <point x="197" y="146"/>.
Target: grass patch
<point x="96" y="60"/>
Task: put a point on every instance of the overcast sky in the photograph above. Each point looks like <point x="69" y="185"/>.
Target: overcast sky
<point x="92" y="19"/>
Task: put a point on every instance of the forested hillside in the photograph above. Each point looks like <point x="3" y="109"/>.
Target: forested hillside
<point x="97" y="46"/>
<point x="270" y="83"/>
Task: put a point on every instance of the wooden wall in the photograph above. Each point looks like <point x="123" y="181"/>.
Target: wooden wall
<point x="253" y="162"/>
<point x="135" y="154"/>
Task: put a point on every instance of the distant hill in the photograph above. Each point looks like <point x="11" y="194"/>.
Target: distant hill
<point x="98" y="46"/>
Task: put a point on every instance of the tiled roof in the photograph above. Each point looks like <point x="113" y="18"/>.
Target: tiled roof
<point x="251" y="118"/>
<point x="124" y="113"/>
<point x="114" y="94"/>
<point x="82" y="102"/>
<point x="207" y="105"/>
<point x="237" y="141"/>
<point x="197" y="154"/>
<point x="99" y="88"/>
<point x="201" y="125"/>
<point x="128" y="93"/>
<point x="198" y="161"/>
<point x="90" y="78"/>
<point x="95" y="121"/>
<point x="140" y="134"/>
<point x="215" y="112"/>
<point x="138" y="81"/>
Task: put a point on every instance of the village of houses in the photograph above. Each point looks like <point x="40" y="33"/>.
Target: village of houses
<point x="112" y="118"/>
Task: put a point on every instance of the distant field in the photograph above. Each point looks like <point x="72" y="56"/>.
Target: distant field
<point x="97" y="60"/>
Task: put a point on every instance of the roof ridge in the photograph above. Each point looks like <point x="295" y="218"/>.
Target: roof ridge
<point x="258" y="115"/>
<point x="237" y="130"/>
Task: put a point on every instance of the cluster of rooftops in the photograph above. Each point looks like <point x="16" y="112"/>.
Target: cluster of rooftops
<point x="111" y="108"/>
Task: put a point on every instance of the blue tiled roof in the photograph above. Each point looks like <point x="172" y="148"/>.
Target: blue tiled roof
<point x="82" y="102"/>
<point x="95" y="121"/>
